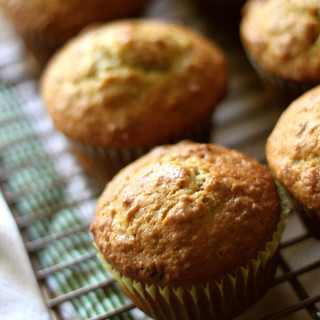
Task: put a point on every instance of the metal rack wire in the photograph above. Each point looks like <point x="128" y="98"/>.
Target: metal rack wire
<point x="36" y="164"/>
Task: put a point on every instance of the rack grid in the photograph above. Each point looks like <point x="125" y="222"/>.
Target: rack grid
<point x="52" y="200"/>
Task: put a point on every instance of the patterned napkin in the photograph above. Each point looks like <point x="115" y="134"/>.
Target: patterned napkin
<point x="43" y="178"/>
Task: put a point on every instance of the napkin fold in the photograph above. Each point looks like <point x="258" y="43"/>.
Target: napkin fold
<point x="20" y="297"/>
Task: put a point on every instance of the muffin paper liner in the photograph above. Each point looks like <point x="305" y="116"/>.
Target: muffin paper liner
<point x="41" y="47"/>
<point x="285" y="89"/>
<point x="309" y="218"/>
<point x="104" y="163"/>
<point x="217" y="299"/>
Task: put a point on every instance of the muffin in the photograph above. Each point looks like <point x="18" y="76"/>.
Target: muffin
<point x="293" y="153"/>
<point x="46" y="25"/>
<point x="190" y="231"/>
<point x="123" y="87"/>
<point x="282" y="40"/>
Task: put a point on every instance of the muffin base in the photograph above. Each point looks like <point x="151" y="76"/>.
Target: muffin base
<point x="284" y="89"/>
<point x="42" y="45"/>
<point x="41" y="48"/>
<point x="104" y="163"/>
<point x="309" y="218"/>
<point x="217" y="299"/>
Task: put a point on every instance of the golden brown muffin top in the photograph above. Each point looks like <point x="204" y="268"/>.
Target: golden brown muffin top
<point x="64" y="18"/>
<point x="133" y="83"/>
<point x="283" y="36"/>
<point x="186" y="213"/>
<point x="293" y="149"/>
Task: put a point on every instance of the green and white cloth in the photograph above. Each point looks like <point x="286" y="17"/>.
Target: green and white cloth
<point x="41" y="176"/>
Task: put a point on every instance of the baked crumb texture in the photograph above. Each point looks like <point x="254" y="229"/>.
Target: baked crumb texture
<point x="293" y="150"/>
<point x="185" y="214"/>
<point x="283" y="37"/>
<point x="133" y="83"/>
<point x="62" y="19"/>
<point x="45" y="25"/>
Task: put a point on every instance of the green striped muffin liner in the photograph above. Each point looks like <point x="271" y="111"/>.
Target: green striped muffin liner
<point x="219" y="299"/>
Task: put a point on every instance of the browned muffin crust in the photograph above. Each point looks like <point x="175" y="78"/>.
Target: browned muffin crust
<point x="61" y="18"/>
<point x="283" y="37"/>
<point x="293" y="149"/>
<point x="185" y="214"/>
<point x="133" y="83"/>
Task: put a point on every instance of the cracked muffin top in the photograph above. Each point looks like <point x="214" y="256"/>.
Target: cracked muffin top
<point x="293" y="150"/>
<point x="283" y="36"/>
<point x="65" y="18"/>
<point x="186" y="213"/>
<point x="133" y="83"/>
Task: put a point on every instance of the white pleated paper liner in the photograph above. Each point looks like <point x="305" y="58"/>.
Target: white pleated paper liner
<point x="104" y="163"/>
<point x="310" y="218"/>
<point x="41" y="47"/>
<point x="285" y="89"/>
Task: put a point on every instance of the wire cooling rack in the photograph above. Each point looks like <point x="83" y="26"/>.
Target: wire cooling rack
<point x="53" y="201"/>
